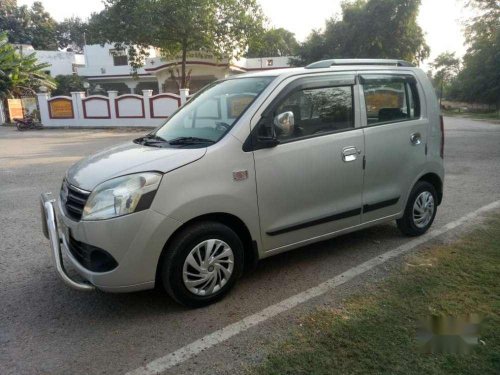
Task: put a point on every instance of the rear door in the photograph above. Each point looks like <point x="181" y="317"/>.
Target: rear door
<point x="311" y="183"/>
<point x="395" y="130"/>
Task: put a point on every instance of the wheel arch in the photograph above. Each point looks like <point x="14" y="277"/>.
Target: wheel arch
<point x="235" y="223"/>
<point x="435" y="181"/>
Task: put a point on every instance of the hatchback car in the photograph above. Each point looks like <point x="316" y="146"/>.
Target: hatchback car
<point x="252" y="166"/>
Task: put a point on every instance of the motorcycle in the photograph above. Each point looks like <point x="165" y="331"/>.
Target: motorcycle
<point x="27" y="123"/>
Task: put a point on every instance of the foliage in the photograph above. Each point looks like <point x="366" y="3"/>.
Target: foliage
<point x="446" y="66"/>
<point x="220" y="27"/>
<point x="15" y="21"/>
<point x="42" y="28"/>
<point x="26" y="25"/>
<point x="67" y="84"/>
<point x="273" y="42"/>
<point x="70" y="33"/>
<point x="479" y="79"/>
<point x="369" y="29"/>
<point x="20" y="75"/>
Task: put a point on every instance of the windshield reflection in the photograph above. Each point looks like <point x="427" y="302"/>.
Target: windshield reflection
<point x="212" y="112"/>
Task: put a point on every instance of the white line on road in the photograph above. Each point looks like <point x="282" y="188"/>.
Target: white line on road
<point x="170" y="360"/>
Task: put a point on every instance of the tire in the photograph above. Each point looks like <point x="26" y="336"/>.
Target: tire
<point x="178" y="274"/>
<point x="20" y="126"/>
<point x="416" y="222"/>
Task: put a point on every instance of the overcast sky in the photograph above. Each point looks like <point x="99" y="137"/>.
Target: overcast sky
<point x="441" y="20"/>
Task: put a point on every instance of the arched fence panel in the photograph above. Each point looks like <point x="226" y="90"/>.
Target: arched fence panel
<point x="96" y="107"/>
<point x="163" y="105"/>
<point x="129" y="106"/>
<point x="60" y="107"/>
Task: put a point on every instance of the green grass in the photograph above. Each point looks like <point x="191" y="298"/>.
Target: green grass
<point x="374" y="331"/>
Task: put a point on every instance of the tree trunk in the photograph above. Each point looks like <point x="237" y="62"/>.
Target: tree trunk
<point x="441" y="95"/>
<point x="183" y="67"/>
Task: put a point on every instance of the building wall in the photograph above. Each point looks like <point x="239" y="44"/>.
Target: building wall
<point x="99" y="62"/>
<point x="60" y="62"/>
<point x="263" y="63"/>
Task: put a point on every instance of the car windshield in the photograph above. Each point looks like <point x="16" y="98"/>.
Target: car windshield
<point x="212" y="112"/>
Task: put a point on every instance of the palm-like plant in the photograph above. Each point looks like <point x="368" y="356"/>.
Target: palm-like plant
<point x="20" y="75"/>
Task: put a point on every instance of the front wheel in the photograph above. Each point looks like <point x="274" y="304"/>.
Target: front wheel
<point x="202" y="264"/>
<point x="21" y="126"/>
<point x="420" y="210"/>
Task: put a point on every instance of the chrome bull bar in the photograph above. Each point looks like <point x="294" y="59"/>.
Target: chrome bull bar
<point x="51" y="231"/>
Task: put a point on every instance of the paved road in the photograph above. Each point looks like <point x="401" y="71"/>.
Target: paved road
<point x="46" y="328"/>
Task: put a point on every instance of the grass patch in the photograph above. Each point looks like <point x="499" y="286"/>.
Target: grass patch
<point x="374" y="332"/>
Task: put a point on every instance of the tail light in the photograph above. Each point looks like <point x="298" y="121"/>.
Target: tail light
<point x="441" y="151"/>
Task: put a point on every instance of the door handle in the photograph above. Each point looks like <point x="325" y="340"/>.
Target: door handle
<point x="415" y="139"/>
<point x="350" y="154"/>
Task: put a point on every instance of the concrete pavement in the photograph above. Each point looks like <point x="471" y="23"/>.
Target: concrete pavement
<point x="47" y="328"/>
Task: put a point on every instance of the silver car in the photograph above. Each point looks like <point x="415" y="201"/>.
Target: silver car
<point x="252" y="166"/>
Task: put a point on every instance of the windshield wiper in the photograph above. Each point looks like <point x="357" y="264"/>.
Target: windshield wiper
<point x="189" y="141"/>
<point x="150" y="140"/>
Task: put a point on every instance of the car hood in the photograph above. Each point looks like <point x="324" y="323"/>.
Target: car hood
<point x="126" y="159"/>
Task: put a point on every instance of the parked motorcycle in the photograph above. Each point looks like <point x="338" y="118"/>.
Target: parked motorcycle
<point x="27" y="123"/>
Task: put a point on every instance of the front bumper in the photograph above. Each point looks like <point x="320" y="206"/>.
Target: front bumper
<point x="51" y="231"/>
<point x="136" y="241"/>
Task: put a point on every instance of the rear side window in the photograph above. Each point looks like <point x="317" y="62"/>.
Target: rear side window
<point x="319" y="110"/>
<point x="390" y="99"/>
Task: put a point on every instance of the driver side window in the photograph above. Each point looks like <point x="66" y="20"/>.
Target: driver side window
<point x="318" y="110"/>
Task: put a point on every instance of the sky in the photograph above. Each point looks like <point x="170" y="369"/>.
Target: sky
<point x="441" y="20"/>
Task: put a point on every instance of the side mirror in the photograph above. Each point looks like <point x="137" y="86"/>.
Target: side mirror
<point x="285" y="122"/>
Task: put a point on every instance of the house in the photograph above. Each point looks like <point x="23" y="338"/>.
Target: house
<point x="107" y="69"/>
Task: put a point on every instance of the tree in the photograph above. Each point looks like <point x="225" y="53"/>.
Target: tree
<point x="15" y="21"/>
<point x="70" y="33"/>
<point x="479" y="79"/>
<point x="220" y="27"/>
<point x="67" y="84"/>
<point x="446" y="66"/>
<point x="20" y="75"/>
<point x="28" y="25"/>
<point x="42" y="28"/>
<point x="273" y="42"/>
<point x="369" y="29"/>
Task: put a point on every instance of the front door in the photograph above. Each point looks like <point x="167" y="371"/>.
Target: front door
<point x="310" y="184"/>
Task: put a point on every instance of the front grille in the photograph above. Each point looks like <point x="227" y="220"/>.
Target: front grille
<point x="73" y="200"/>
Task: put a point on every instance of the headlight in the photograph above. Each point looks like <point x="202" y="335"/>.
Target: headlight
<point x="122" y="196"/>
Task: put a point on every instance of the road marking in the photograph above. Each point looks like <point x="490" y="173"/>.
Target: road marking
<point x="170" y="360"/>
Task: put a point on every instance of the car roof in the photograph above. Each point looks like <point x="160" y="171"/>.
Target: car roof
<point x="334" y="65"/>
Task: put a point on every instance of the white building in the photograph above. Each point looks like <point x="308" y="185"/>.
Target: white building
<point x="107" y="69"/>
<point x="61" y="62"/>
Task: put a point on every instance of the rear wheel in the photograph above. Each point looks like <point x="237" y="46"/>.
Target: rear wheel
<point x="420" y="210"/>
<point x="202" y="264"/>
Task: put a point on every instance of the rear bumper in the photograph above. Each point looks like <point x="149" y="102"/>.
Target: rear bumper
<point x="135" y="241"/>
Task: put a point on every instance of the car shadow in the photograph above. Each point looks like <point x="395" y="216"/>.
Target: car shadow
<point x="275" y="278"/>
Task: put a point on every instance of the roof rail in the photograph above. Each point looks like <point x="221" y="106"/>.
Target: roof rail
<point x="338" y="62"/>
